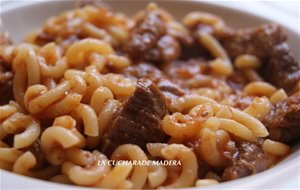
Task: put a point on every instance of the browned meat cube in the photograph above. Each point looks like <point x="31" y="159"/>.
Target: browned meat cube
<point x="145" y="36"/>
<point x="283" y="122"/>
<point x="144" y="70"/>
<point x="248" y="160"/>
<point x="282" y="69"/>
<point x="6" y="74"/>
<point x="257" y="41"/>
<point x="268" y="43"/>
<point x="139" y="120"/>
<point x="156" y="37"/>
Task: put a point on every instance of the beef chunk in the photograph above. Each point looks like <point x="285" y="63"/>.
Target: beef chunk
<point x="268" y="43"/>
<point x="256" y="41"/>
<point x="169" y="48"/>
<point x="145" y="36"/>
<point x="139" y="120"/>
<point x="248" y="160"/>
<point x="166" y="86"/>
<point x="6" y="77"/>
<point x="185" y="69"/>
<point x="156" y="37"/>
<point x="283" y="122"/>
<point x="194" y="51"/>
<point x="6" y="74"/>
<point x="144" y="70"/>
<point x="189" y="74"/>
<point x="282" y="69"/>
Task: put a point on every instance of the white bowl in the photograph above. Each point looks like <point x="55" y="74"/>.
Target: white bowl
<point x="20" y="18"/>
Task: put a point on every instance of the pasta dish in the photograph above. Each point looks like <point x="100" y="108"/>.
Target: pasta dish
<point x="96" y="98"/>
